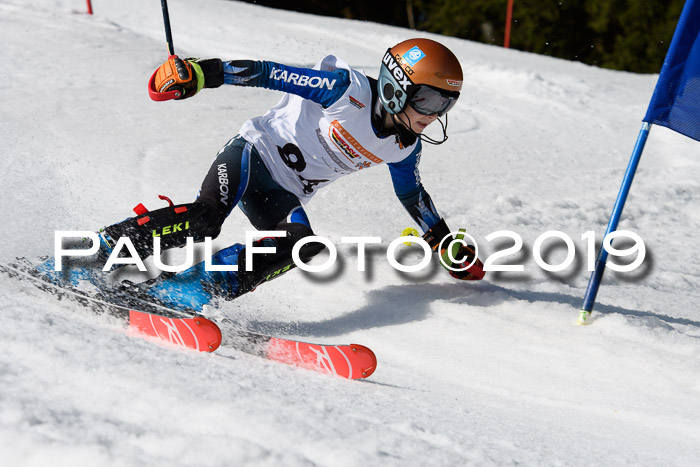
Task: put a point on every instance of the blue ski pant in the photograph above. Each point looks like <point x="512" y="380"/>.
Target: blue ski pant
<point x="238" y="176"/>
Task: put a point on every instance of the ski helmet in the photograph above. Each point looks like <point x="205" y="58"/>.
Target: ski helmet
<point x="422" y="73"/>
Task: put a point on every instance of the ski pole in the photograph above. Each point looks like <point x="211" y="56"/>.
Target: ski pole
<point x="168" y="31"/>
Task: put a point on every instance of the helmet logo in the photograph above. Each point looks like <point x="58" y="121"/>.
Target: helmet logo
<point x="396" y="71"/>
<point x="413" y="56"/>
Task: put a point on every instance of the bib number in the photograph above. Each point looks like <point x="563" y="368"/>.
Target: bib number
<point x="293" y="158"/>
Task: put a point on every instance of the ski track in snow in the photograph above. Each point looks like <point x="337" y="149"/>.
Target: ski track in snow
<point x="494" y="373"/>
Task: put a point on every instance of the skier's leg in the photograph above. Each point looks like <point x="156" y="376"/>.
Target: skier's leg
<point x="197" y="286"/>
<point x="268" y="266"/>
<point x="270" y="207"/>
<point x="222" y="188"/>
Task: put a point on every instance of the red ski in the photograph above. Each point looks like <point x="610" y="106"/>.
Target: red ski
<point x="352" y="361"/>
<point x="193" y="331"/>
<point x="347" y="361"/>
<point x="197" y="333"/>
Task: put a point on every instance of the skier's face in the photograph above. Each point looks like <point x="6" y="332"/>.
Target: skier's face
<point x="418" y="122"/>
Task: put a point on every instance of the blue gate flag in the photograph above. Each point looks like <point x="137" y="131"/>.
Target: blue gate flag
<point x="676" y="100"/>
<point x="675" y="105"/>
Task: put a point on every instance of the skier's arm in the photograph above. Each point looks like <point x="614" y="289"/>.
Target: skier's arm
<point x="322" y="87"/>
<point x="409" y="189"/>
<point x="417" y="201"/>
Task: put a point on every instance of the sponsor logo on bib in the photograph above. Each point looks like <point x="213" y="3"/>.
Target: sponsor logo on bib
<point x="356" y="103"/>
<point x="350" y="147"/>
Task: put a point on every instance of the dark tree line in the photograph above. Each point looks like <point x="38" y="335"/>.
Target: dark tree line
<point x="631" y="35"/>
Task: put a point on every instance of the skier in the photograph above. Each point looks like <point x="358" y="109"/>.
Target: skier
<point x="332" y="121"/>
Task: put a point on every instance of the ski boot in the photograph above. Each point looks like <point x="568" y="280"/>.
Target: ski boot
<point x="196" y="287"/>
<point x="79" y="273"/>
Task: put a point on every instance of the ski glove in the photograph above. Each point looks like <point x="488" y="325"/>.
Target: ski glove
<point x="456" y="255"/>
<point x="188" y="76"/>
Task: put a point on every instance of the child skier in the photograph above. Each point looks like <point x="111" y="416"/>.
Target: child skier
<point x="332" y="121"/>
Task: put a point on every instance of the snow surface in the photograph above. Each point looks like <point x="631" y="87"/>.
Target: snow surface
<point x="490" y="373"/>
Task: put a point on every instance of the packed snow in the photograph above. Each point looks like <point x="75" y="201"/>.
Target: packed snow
<point x="488" y="373"/>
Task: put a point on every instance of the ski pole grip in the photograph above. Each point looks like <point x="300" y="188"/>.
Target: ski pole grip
<point x="161" y="96"/>
<point x="158" y="96"/>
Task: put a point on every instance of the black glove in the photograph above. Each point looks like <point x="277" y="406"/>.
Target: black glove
<point x="212" y="69"/>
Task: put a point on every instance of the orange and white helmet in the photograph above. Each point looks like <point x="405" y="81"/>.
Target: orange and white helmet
<point x="421" y="73"/>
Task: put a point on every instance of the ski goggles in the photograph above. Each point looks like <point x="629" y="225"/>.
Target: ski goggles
<point x="430" y="101"/>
